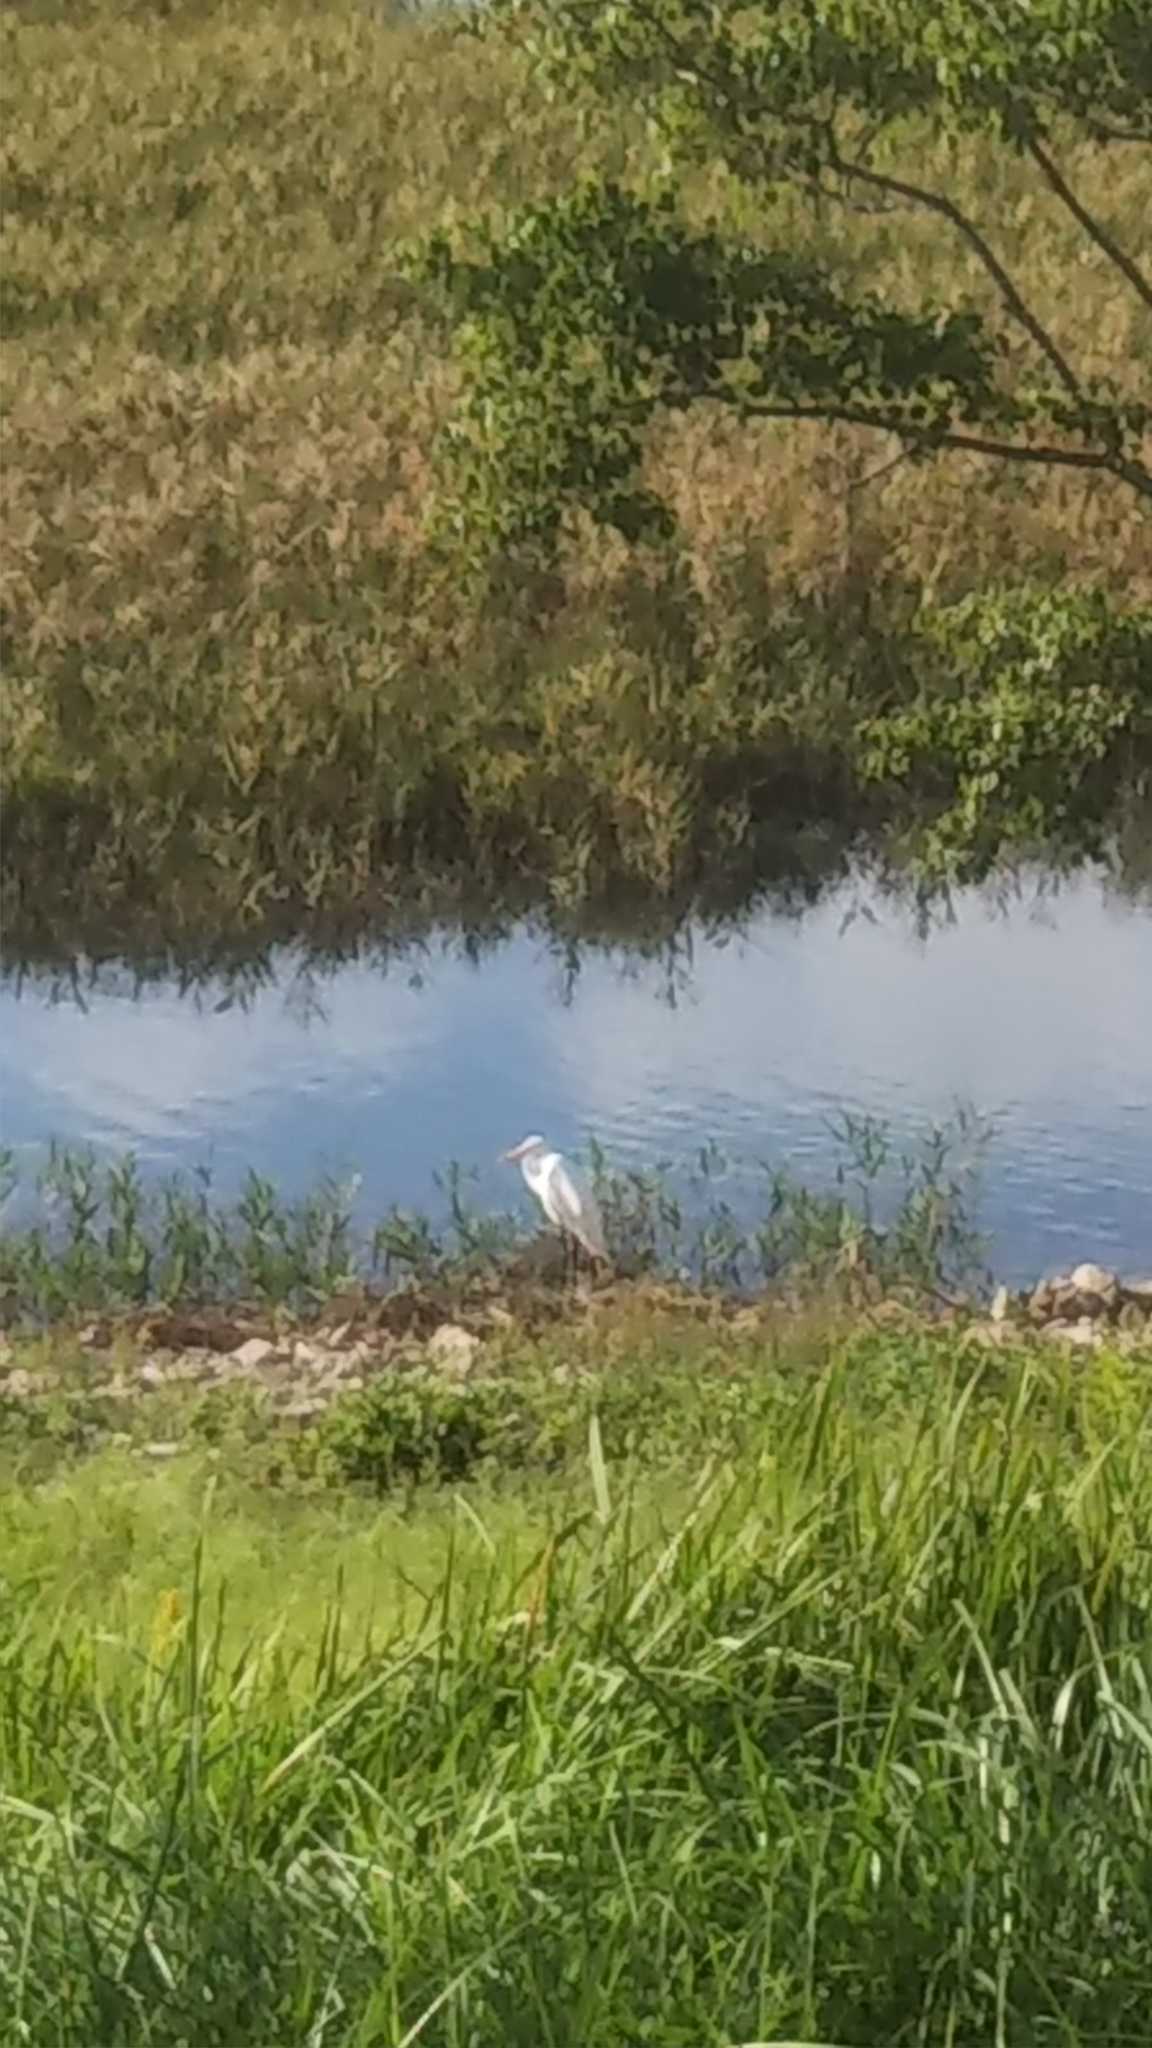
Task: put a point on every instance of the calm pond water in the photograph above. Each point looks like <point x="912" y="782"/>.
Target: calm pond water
<point x="1039" y="1018"/>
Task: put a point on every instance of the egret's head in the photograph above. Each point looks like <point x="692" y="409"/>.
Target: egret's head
<point x="533" y="1144"/>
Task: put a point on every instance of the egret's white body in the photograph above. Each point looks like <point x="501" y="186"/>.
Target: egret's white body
<point x="571" y="1209"/>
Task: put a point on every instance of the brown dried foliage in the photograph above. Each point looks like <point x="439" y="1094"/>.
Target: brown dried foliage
<point x="232" y="651"/>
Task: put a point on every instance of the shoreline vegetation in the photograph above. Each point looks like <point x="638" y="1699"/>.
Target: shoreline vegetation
<point x="84" y="1236"/>
<point x="115" y="1286"/>
<point x="252" y="697"/>
<point x="890" y="1230"/>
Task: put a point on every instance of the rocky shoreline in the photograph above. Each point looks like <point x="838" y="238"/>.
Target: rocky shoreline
<point x="299" y="1367"/>
<point x="1081" y="1307"/>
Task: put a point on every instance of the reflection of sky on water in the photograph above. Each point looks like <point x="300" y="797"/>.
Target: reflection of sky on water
<point x="1042" y="1021"/>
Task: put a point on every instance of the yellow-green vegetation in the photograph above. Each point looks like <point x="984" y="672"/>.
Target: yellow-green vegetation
<point x="247" y="696"/>
<point x="820" y="1712"/>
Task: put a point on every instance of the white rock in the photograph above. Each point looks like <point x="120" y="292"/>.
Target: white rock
<point x="1083" y="1332"/>
<point x="151" y="1374"/>
<point x="1090" y="1279"/>
<point x="255" y="1352"/>
<point x="161" y="1450"/>
<point x="452" y="1348"/>
<point x="305" y="1354"/>
<point x="304" y="1408"/>
<point x="999" y="1309"/>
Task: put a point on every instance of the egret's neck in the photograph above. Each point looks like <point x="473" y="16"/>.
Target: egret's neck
<point x="538" y="1169"/>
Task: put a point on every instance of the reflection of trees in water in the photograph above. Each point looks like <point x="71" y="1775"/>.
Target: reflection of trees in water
<point x="75" y="932"/>
<point x="407" y="923"/>
<point x="635" y="930"/>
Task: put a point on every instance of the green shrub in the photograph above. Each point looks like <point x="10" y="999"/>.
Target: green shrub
<point x="414" y="1427"/>
<point x="1032" y="707"/>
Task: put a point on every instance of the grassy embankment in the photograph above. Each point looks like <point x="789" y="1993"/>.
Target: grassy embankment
<point x="804" y="1697"/>
<point x="690" y="1672"/>
<point x="246" y="695"/>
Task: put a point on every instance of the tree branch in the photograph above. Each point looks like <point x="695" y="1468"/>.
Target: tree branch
<point x="974" y="444"/>
<point x="1106" y="132"/>
<point x="877" y="476"/>
<point x="1088" y="221"/>
<point x="935" y="202"/>
<point x="917" y="195"/>
<point x="872" y="207"/>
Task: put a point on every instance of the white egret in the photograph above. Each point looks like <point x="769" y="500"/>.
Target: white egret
<point x="571" y="1208"/>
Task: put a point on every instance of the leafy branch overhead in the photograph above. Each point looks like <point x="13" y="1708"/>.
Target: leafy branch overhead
<point x="579" y="319"/>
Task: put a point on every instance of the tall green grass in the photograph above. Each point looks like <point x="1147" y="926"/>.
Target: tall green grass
<point x="843" y="1736"/>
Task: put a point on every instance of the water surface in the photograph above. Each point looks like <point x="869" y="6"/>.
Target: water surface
<point x="1040" y="1018"/>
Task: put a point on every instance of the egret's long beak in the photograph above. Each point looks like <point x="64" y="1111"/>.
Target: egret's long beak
<point x="517" y="1152"/>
